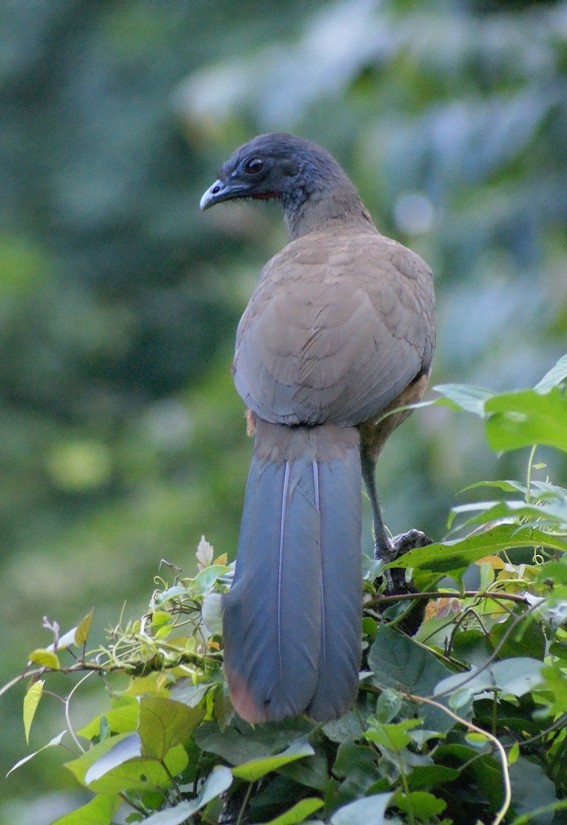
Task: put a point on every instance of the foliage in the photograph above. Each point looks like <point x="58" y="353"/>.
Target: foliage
<point x="121" y="433"/>
<point x="465" y="722"/>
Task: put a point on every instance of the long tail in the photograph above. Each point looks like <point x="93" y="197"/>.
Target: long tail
<point x="292" y="617"/>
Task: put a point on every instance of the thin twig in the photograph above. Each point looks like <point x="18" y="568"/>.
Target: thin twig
<point x="68" y="714"/>
<point x="499" y="747"/>
<point x="446" y="594"/>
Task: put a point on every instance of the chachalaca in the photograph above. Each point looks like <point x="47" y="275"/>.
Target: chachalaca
<point x="339" y="331"/>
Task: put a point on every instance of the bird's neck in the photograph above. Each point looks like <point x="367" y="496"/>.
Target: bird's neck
<point x="329" y="210"/>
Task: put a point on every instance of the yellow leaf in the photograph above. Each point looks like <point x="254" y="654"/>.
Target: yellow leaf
<point x="83" y="628"/>
<point x="495" y="562"/>
<point x="45" y="658"/>
<point x="31" y="701"/>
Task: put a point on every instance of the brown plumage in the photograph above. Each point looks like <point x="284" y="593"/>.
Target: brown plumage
<point x="339" y="330"/>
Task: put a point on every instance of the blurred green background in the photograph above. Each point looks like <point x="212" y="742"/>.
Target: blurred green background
<point x="121" y="436"/>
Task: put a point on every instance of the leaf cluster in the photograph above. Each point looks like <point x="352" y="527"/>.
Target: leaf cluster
<point x="464" y="722"/>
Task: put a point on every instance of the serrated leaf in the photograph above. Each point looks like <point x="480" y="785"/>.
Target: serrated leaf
<point x="45" y="658"/>
<point x="31" y="702"/>
<point x="218" y="781"/>
<point x="83" y="629"/>
<point x="164" y="723"/>
<point x="99" y="811"/>
<point x="257" y="768"/>
<point x="368" y="811"/>
<point x="205" y="554"/>
<point x="298" y="812"/>
<point x="51" y="744"/>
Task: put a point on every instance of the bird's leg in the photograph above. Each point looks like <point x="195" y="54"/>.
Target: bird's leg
<point x="383" y="549"/>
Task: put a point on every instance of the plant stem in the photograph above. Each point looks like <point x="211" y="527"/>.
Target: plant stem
<point x="497" y="745"/>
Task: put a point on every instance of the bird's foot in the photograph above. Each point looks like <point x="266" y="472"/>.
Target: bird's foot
<point x="390" y="550"/>
<point x="411" y="540"/>
<point x="396" y="581"/>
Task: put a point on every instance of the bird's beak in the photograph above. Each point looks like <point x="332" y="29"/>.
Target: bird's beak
<point x="222" y="191"/>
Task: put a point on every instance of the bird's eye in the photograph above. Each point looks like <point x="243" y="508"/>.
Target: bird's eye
<point x="253" y="166"/>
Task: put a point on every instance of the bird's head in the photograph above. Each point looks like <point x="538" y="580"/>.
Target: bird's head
<point x="298" y="173"/>
<point x="273" y="166"/>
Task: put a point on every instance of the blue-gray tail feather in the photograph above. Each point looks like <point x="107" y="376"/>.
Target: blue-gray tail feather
<point x="292" y="617"/>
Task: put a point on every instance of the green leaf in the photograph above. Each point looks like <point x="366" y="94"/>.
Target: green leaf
<point x="218" y="781"/>
<point x="45" y="658"/>
<point x="123" y="718"/>
<point x="420" y="804"/>
<point x="164" y="723"/>
<point x="555" y="688"/>
<point x="513" y="754"/>
<point x="116" y="765"/>
<point x="533" y="817"/>
<point x="206" y="578"/>
<point x="452" y="556"/>
<point x="394" y="737"/>
<point x="515" y="676"/>
<point x="339" y="730"/>
<point x="237" y="747"/>
<point x="529" y="640"/>
<point x="554" y="378"/>
<point x="358" y="764"/>
<point x="211" y="611"/>
<point x="52" y="743"/>
<point x="425" y="777"/>
<point x="388" y="705"/>
<point x="465" y="397"/>
<point x="531" y="788"/>
<point x="298" y="813"/>
<point x="523" y="418"/>
<point x="368" y="811"/>
<point x="312" y="771"/>
<point x="257" y="768"/>
<point x="552" y="513"/>
<point x="122" y="749"/>
<point x="400" y="663"/>
<point x="99" y="811"/>
<point x="31" y="702"/>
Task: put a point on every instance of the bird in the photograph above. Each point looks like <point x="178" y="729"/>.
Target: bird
<point x="334" y="344"/>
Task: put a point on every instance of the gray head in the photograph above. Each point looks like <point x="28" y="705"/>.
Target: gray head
<point x="287" y="168"/>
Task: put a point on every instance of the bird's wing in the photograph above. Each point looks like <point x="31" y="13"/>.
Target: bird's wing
<point x="338" y="326"/>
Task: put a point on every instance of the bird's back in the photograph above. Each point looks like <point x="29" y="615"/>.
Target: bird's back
<point x="339" y="324"/>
